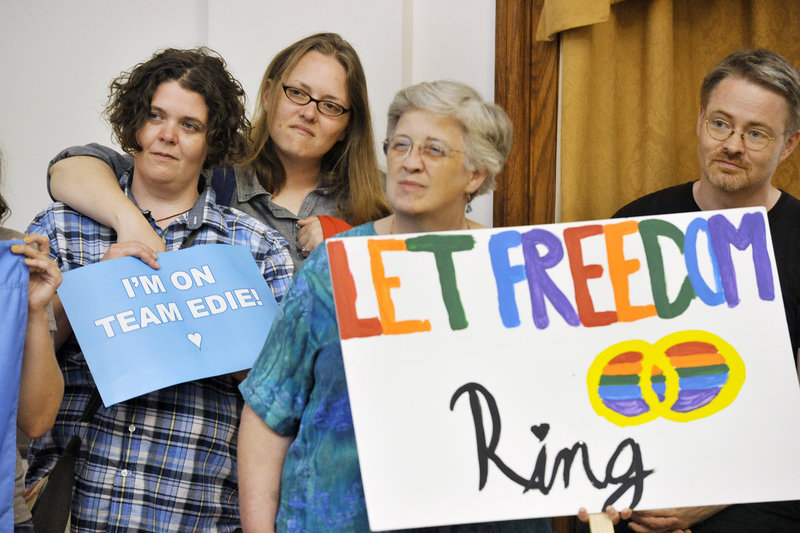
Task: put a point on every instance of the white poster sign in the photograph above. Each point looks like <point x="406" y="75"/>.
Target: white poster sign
<point x="524" y="372"/>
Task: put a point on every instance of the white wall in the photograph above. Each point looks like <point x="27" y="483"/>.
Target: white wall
<point x="455" y="40"/>
<point x="57" y="58"/>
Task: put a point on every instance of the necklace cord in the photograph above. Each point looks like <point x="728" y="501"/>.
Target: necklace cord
<point x="175" y="215"/>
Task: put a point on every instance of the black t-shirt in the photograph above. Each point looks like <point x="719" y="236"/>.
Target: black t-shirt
<point x="784" y="223"/>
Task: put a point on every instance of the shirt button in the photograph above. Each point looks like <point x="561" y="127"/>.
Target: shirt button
<point x="131" y="428"/>
<point x="124" y="472"/>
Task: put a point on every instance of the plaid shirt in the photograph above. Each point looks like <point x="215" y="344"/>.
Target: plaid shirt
<point x="164" y="461"/>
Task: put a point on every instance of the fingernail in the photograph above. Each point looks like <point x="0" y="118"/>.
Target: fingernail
<point x="15" y="247"/>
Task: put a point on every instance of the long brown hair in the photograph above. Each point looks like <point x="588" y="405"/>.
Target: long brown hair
<point x="350" y="168"/>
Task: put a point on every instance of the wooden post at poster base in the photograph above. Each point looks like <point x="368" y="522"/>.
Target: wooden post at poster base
<point x="600" y="523"/>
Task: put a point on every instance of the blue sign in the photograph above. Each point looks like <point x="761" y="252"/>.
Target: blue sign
<point x="13" y="319"/>
<point x="205" y="312"/>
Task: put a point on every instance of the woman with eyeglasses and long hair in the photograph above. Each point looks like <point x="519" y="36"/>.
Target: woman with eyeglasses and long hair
<point x="298" y="462"/>
<point x="310" y="171"/>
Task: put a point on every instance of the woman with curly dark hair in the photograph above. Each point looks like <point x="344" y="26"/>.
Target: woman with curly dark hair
<point x="200" y="71"/>
<point x="310" y="167"/>
<point x="165" y="460"/>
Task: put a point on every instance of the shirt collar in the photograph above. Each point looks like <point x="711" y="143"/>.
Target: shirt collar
<point x="204" y="210"/>
<point x="248" y="186"/>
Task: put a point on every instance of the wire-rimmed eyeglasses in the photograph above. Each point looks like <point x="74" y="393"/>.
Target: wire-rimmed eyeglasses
<point x="431" y="149"/>
<point x="754" y="138"/>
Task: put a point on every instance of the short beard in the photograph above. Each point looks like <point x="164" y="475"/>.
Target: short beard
<point x="728" y="182"/>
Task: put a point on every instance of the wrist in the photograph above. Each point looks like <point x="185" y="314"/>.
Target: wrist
<point x="37" y="311"/>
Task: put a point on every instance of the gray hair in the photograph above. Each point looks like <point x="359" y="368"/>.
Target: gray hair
<point x="764" y="68"/>
<point x="487" y="128"/>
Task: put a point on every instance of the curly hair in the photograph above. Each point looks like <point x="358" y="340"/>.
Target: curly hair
<point x="200" y="70"/>
<point x="350" y="169"/>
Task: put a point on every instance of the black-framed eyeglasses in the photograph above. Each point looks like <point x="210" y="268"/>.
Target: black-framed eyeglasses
<point x="326" y="107"/>
<point x="431" y="149"/>
<point x="754" y="138"/>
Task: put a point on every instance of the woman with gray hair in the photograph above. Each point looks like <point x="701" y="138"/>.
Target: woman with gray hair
<point x="486" y="128"/>
<point x="298" y="463"/>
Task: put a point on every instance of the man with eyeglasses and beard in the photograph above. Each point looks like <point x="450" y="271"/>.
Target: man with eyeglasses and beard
<point x="749" y="122"/>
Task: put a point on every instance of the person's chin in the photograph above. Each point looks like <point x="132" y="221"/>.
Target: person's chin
<point x="160" y="175"/>
<point x="405" y="206"/>
<point x="301" y="147"/>
<point x="729" y="182"/>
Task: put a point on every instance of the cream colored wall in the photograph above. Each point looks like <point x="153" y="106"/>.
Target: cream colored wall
<point x="57" y="58"/>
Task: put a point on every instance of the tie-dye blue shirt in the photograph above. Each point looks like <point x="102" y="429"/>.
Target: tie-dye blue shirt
<point x="298" y="388"/>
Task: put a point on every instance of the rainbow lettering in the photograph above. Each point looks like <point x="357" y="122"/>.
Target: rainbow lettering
<point x="542" y="250"/>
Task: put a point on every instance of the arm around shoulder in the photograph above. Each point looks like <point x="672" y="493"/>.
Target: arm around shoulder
<point x="88" y="185"/>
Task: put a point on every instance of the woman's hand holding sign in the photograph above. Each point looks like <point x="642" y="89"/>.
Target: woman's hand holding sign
<point x="41" y="385"/>
<point x="45" y="277"/>
<point x="133" y="249"/>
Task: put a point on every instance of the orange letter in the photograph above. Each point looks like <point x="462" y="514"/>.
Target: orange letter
<point x="344" y="293"/>
<point x="620" y="268"/>
<point x="384" y="285"/>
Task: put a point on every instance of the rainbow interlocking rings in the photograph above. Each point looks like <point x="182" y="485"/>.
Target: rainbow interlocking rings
<point x="684" y="376"/>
